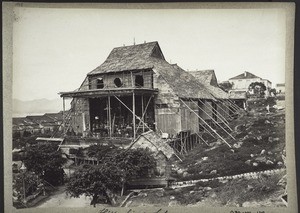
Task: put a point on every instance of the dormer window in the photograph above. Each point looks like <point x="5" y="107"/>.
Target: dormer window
<point x="99" y="83"/>
<point x="139" y="81"/>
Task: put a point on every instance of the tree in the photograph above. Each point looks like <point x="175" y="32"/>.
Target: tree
<point x="46" y="161"/>
<point x="226" y="86"/>
<point x="258" y="88"/>
<point x="109" y="177"/>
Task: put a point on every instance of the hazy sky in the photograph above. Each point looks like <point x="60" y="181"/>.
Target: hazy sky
<point x="54" y="49"/>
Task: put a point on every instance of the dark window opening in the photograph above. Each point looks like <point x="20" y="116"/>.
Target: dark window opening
<point x="100" y="83"/>
<point x="118" y="82"/>
<point x="139" y="81"/>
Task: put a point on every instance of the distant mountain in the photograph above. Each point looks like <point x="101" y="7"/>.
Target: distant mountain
<point x="37" y="107"/>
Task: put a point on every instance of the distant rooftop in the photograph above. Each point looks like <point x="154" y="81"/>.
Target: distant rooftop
<point x="245" y="75"/>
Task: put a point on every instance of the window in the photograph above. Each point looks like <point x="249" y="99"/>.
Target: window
<point x="118" y="82"/>
<point x="99" y="83"/>
<point x="139" y="81"/>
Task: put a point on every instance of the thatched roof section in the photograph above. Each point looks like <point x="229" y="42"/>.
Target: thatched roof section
<point x="152" y="141"/>
<point x="213" y="90"/>
<point x="129" y="58"/>
<point x="149" y="56"/>
<point x="205" y="76"/>
<point x="183" y="83"/>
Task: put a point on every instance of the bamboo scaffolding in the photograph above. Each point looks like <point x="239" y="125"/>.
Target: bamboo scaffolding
<point x="220" y="117"/>
<point x="144" y="112"/>
<point x="223" y="109"/>
<point x="205" y="123"/>
<point x="215" y="122"/>
<point x="134" y="115"/>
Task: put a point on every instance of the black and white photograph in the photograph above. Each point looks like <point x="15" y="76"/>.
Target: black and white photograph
<point x="150" y="108"/>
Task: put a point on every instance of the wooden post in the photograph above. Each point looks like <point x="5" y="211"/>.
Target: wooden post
<point x="133" y="112"/>
<point x="143" y="112"/>
<point x="109" y="115"/>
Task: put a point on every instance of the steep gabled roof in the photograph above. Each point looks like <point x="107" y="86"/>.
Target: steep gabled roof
<point x="153" y="142"/>
<point x="245" y="75"/>
<point x="129" y="58"/>
<point x="206" y="76"/>
<point x="23" y="121"/>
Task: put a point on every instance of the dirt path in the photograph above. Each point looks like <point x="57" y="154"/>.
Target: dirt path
<point x="60" y="199"/>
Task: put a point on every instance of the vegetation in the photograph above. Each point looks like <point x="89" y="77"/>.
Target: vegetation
<point x="110" y="176"/>
<point x="46" y="161"/>
<point x="258" y="88"/>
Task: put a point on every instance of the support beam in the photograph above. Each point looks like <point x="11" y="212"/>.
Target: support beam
<point x="143" y="115"/>
<point x="142" y="97"/>
<point x="133" y="117"/>
<point x="235" y="105"/>
<point x="216" y="122"/>
<point x="109" y="116"/>
<point x="218" y="116"/>
<point x="227" y="113"/>
<point x="205" y="123"/>
<point x="228" y="107"/>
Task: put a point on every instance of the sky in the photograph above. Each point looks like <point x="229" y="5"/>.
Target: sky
<point x="54" y="49"/>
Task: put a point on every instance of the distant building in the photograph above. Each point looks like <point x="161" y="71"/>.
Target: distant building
<point x="280" y="88"/>
<point x="241" y="82"/>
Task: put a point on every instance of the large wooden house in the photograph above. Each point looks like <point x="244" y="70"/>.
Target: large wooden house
<point x="136" y="90"/>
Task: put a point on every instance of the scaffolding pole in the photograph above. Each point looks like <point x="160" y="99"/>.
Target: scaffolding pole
<point x="144" y="113"/>
<point x="215" y="121"/>
<point x="219" y="116"/>
<point x="235" y="105"/>
<point x="134" y="115"/>
<point x="206" y="123"/>
<point x="64" y="108"/>
<point x="190" y="123"/>
<point x="228" y="107"/>
<point x="223" y="109"/>
<point x="109" y="116"/>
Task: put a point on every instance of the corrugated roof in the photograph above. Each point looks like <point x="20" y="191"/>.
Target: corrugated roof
<point x="245" y="75"/>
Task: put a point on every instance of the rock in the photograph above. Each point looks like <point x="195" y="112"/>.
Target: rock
<point x="185" y="174"/>
<point x="259" y="138"/>
<point x="252" y="155"/>
<point x="255" y="164"/>
<point x="200" y="172"/>
<point x="213" y="172"/>
<point x="250" y="188"/>
<point x="213" y="195"/>
<point x="201" y="188"/>
<point x="267" y="122"/>
<point x="207" y="188"/>
<point x="174" y="203"/>
<point x="204" y="158"/>
<point x="282" y="181"/>
<point x="275" y="139"/>
<point x="270" y="139"/>
<point x="238" y="145"/>
<point x="232" y="150"/>
<point x="263" y="152"/>
<point x="279" y="163"/>
<point x="180" y="171"/>
<point x="192" y="192"/>
<point x="142" y="194"/>
<point x="270" y="153"/>
<point x="262" y="159"/>
<point x="248" y="162"/>
<point x="269" y="162"/>
<point x="172" y="197"/>
<point x="160" y="194"/>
